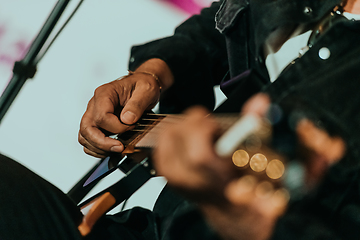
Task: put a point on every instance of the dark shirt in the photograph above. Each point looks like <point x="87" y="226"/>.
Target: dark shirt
<point x="207" y="51"/>
<point x="203" y="53"/>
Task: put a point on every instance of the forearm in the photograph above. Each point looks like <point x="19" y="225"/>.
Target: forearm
<point x="196" y="57"/>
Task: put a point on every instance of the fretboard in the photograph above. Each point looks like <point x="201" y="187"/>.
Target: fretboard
<point x="147" y="130"/>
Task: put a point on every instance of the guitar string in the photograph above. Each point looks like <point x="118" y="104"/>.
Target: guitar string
<point x="229" y="119"/>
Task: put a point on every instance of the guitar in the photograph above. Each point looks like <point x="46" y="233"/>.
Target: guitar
<point x="240" y="135"/>
<point x="265" y="148"/>
<point x="247" y="139"/>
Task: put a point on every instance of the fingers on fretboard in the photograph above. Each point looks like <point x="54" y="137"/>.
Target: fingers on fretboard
<point x="140" y="129"/>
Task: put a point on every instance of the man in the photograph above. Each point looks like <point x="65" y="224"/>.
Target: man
<point x="203" y="56"/>
<point x="245" y="36"/>
<point x="250" y="36"/>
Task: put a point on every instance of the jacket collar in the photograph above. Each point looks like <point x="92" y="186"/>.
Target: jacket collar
<point x="268" y="15"/>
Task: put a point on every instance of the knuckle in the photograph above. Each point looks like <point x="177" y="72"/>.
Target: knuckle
<point x="82" y="132"/>
<point x="81" y="139"/>
<point x="89" y="106"/>
<point x="112" y="90"/>
<point x="148" y="86"/>
<point x="122" y="84"/>
<point x="99" y="90"/>
<point x="99" y="120"/>
<point x="88" y="152"/>
<point x="122" y="89"/>
<point x="88" y="139"/>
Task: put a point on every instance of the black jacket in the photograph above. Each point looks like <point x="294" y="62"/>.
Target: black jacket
<point x="223" y="43"/>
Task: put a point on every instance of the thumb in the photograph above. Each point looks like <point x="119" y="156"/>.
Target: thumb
<point x="136" y="106"/>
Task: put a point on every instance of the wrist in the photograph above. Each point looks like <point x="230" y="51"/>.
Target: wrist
<point x="154" y="76"/>
<point x="159" y="70"/>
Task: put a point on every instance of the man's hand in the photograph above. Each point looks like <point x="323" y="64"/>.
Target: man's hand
<point x="186" y="157"/>
<point x="118" y="104"/>
<point x="251" y="212"/>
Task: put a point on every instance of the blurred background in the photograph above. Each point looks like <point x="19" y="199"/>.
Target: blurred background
<point x="40" y="129"/>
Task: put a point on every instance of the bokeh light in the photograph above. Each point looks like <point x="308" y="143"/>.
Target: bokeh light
<point x="240" y="158"/>
<point x="275" y="169"/>
<point x="258" y="162"/>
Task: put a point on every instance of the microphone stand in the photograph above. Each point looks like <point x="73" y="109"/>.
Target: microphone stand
<point x="26" y="68"/>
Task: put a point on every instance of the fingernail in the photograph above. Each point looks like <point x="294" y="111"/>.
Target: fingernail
<point x="128" y="117"/>
<point x="117" y="148"/>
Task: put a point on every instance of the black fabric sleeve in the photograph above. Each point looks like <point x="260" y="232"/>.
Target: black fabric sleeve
<point x="196" y="56"/>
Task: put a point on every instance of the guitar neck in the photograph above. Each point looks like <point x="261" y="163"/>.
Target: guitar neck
<point x="253" y="144"/>
<point x="147" y="130"/>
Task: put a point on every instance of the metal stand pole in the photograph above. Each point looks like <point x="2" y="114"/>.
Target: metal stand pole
<point x="26" y="68"/>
